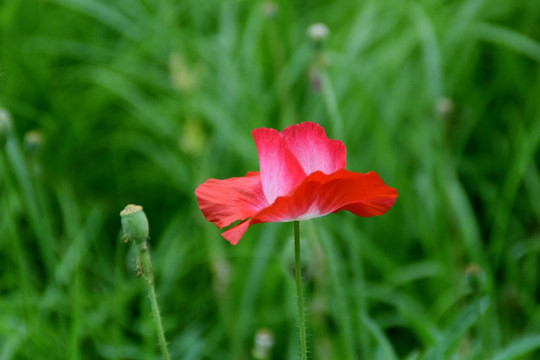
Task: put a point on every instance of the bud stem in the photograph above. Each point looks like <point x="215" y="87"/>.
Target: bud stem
<point x="135" y="227"/>
<point x="148" y="277"/>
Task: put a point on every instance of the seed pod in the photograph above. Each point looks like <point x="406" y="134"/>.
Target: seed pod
<point x="135" y="224"/>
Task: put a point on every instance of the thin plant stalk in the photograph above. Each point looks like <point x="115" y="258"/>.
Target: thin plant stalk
<point x="136" y="230"/>
<point x="148" y="277"/>
<point x="22" y="272"/>
<point x="299" y="292"/>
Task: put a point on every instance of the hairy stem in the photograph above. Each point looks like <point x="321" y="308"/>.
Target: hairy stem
<point x="299" y="294"/>
<point x="148" y="276"/>
<point x="136" y="230"/>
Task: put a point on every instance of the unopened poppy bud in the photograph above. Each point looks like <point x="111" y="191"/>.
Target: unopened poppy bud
<point x="475" y="278"/>
<point x="318" y="32"/>
<point x="134" y="224"/>
<point x="5" y="127"/>
<point x="33" y="140"/>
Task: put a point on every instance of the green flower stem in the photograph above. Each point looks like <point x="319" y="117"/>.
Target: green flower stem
<point x="148" y="277"/>
<point x="136" y="230"/>
<point x="299" y="294"/>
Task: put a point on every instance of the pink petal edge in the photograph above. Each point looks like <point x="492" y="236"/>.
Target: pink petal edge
<point x="280" y="171"/>
<point x="312" y="148"/>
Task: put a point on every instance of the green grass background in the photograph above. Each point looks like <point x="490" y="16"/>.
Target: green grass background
<point x="140" y="101"/>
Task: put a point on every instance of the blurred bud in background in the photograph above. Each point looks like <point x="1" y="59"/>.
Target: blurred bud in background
<point x="315" y="79"/>
<point x="263" y="343"/>
<point x="33" y="141"/>
<point x="316" y="69"/>
<point x="475" y="278"/>
<point x="270" y="9"/>
<point x="183" y="77"/>
<point x="318" y="33"/>
<point x="5" y="127"/>
<point x="444" y="107"/>
<point x="193" y="138"/>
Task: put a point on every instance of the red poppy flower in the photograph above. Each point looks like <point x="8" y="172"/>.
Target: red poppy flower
<point x="302" y="176"/>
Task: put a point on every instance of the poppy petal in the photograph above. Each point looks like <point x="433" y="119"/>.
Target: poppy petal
<point x="314" y="151"/>
<point x="320" y="194"/>
<point x="235" y="233"/>
<point x="280" y="171"/>
<point x="226" y="201"/>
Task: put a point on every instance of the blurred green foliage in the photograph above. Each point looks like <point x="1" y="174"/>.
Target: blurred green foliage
<point x="139" y="101"/>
